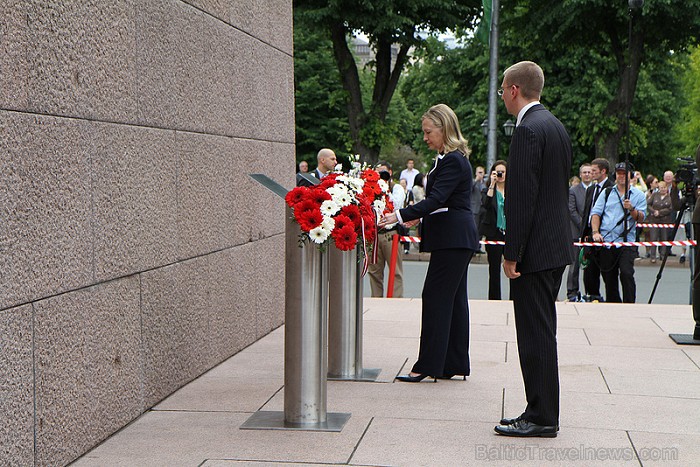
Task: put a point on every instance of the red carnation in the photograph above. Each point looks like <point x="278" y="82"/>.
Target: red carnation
<point x="341" y="220"/>
<point x="306" y="205"/>
<point x="319" y="195"/>
<point x="370" y="175"/>
<point x="345" y="238"/>
<point x="309" y="219"/>
<point x="353" y="212"/>
<point x="296" y="196"/>
<point x="370" y="231"/>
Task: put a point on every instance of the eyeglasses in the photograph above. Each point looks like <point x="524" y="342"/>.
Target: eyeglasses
<point x="501" y="90"/>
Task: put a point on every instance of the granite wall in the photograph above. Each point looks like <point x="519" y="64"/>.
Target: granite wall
<point x="135" y="252"/>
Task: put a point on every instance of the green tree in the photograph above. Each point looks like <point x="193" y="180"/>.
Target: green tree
<point x="386" y="23"/>
<point x="319" y="96"/>
<point x="602" y="28"/>
<point x="689" y="129"/>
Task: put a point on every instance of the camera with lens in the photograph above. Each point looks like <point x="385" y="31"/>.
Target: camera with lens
<point x="688" y="175"/>
<point x="499" y="174"/>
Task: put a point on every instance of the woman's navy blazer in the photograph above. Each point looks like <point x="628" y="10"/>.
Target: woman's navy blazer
<point x="448" y="221"/>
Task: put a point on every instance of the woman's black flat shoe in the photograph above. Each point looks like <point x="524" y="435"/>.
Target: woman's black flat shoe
<point x="414" y="379"/>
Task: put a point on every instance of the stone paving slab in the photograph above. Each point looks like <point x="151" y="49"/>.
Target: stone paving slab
<point x="628" y="395"/>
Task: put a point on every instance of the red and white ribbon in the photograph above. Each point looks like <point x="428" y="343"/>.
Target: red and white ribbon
<point x="494" y="242"/>
<point x="661" y="226"/>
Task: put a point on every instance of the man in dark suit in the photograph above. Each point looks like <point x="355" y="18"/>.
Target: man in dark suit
<point x="538" y="244"/>
<point x="326" y="162"/>
<point x="577" y="201"/>
<point x="696" y="271"/>
<point x="600" y="169"/>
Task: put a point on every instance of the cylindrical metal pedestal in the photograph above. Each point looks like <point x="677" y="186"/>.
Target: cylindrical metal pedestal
<point x="305" y="342"/>
<point x="345" y="318"/>
<point x="305" y="336"/>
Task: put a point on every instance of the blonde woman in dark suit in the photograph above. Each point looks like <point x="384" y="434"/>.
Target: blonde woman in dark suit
<point x="449" y="233"/>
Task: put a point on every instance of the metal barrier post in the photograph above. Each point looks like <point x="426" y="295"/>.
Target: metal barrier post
<point x="345" y="319"/>
<point x="392" y="266"/>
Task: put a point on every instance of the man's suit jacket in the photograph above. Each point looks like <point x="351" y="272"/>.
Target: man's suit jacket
<point x="577" y="201"/>
<point x="448" y="221"/>
<point x="538" y="234"/>
<point x="588" y="205"/>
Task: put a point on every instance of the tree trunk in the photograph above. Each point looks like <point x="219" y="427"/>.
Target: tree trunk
<point x="614" y="145"/>
<point x="367" y="144"/>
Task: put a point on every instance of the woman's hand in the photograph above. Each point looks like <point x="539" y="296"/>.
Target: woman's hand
<point x="387" y="219"/>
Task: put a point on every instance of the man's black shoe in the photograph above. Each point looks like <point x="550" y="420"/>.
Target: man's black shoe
<point x="525" y="429"/>
<point x="510" y="421"/>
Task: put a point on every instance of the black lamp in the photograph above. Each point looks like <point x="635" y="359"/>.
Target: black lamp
<point x="509" y="128"/>
<point x="485" y="127"/>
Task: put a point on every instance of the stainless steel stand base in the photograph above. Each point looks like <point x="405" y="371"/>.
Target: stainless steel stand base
<point x="368" y="375"/>
<point x="684" y="339"/>
<point x="275" y="421"/>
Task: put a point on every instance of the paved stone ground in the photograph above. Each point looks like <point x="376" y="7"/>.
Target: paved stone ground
<point x="630" y="396"/>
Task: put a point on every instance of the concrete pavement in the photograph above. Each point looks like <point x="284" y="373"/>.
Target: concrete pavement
<point x="630" y="396"/>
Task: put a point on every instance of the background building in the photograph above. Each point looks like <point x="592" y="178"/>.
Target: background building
<point x="135" y="252"/>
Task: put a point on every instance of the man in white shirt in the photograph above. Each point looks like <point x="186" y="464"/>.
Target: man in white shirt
<point x="409" y="174"/>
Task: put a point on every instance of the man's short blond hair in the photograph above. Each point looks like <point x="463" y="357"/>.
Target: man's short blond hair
<point x="528" y="76"/>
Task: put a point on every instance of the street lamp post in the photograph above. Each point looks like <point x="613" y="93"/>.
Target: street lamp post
<point x="508" y="129"/>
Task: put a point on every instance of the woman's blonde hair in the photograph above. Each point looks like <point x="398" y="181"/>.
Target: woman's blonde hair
<point x="444" y="118"/>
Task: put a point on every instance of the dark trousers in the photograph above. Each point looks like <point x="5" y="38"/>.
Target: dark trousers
<point x="617" y="267"/>
<point x="696" y="284"/>
<point x="591" y="276"/>
<point x="494" y="254"/>
<point x="534" y="296"/>
<point x="444" y="339"/>
<point x="572" y="278"/>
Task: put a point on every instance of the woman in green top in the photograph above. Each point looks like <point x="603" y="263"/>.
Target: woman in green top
<point x="493" y="224"/>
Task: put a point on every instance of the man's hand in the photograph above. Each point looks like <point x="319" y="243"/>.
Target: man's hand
<point x="628" y="205"/>
<point x="410" y="224"/>
<point x="509" y="269"/>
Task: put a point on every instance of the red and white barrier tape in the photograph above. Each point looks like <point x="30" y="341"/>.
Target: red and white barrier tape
<point x="661" y="226"/>
<point x="492" y="242"/>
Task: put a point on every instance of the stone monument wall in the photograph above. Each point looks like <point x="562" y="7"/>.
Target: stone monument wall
<point x="135" y="251"/>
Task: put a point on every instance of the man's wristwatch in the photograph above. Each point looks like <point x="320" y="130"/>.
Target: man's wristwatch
<point x="596" y="232"/>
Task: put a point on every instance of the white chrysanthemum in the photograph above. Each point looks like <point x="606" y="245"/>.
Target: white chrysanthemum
<point x="356" y="183"/>
<point x="383" y="185"/>
<point x="318" y="234"/>
<point x="338" y="168"/>
<point x="379" y="205"/>
<point x="342" y="199"/>
<point x="329" y="208"/>
<point x="337" y="189"/>
<point x="328" y="224"/>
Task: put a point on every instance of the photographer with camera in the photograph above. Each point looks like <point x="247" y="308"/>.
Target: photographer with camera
<point x="691" y="196"/>
<point x="608" y="217"/>
<point x="493" y="224"/>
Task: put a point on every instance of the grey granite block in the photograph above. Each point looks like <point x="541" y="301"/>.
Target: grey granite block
<point x="17" y="386"/>
<point x="176" y="304"/>
<point x="14" y="67"/>
<point x="89" y="368"/>
<point x="82" y="58"/>
<point x="46" y="235"/>
<point x="207" y="215"/>
<point x="193" y="72"/>
<point x="233" y="305"/>
<point x="135" y="199"/>
<point x="269" y="276"/>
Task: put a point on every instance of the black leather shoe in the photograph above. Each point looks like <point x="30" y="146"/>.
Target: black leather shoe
<point x="510" y="421"/>
<point x="525" y="429"/>
<point x="414" y="379"/>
